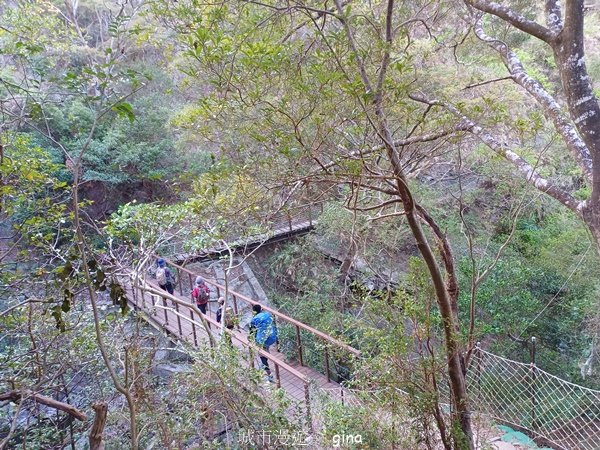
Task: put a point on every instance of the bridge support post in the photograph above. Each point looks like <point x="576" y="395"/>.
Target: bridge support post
<point x="533" y="390"/>
<point x="299" y="342"/>
<point x="326" y="360"/>
<point x="235" y="305"/>
<point x="164" y="302"/>
<point x="179" y="281"/>
<point x="178" y="320"/>
<point x="193" y="326"/>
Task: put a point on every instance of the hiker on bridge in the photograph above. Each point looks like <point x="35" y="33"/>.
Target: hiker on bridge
<point x="264" y="331"/>
<point x="201" y="294"/>
<point x="229" y="319"/>
<point x="164" y="276"/>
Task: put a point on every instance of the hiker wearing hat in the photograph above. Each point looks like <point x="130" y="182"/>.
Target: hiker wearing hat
<point x="164" y="276"/>
<point x="201" y="294"/>
<point x="264" y="333"/>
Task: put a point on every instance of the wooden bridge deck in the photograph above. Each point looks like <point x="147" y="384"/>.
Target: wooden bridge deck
<point x="169" y="318"/>
<point x="180" y="318"/>
<point x="276" y="234"/>
<point x="287" y="222"/>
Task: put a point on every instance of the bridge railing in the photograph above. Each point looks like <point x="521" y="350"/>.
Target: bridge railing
<point x="307" y="212"/>
<point x="557" y="412"/>
<point x="284" y="221"/>
<point x="151" y="303"/>
<point x="328" y="344"/>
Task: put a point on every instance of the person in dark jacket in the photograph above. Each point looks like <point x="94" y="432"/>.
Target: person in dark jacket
<point x="264" y="331"/>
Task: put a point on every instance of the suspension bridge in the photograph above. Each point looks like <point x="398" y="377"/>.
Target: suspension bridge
<point x="183" y="321"/>
<point x="556" y="412"/>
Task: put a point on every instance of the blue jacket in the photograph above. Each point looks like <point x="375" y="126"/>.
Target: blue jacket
<point x="266" y="331"/>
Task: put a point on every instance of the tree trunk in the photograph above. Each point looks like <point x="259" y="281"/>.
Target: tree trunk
<point x="569" y="54"/>
<point x="444" y="298"/>
<point x="452" y="343"/>
<point x="97" y="431"/>
<point x="348" y="261"/>
<point x="453" y="348"/>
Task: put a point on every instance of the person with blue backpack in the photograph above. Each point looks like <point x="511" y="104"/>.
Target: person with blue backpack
<point x="164" y="276"/>
<point x="262" y="327"/>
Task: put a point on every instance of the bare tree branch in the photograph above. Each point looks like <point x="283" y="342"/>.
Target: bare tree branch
<point x="483" y="83"/>
<point x="422" y="138"/>
<point x="25" y="394"/>
<point x="552" y="109"/>
<point x="515" y="19"/>
<point x="502" y="148"/>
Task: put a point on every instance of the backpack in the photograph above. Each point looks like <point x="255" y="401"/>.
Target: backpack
<point x="202" y="295"/>
<point x="265" y="329"/>
<point x="161" y="276"/>
<point x="229" y="318"/>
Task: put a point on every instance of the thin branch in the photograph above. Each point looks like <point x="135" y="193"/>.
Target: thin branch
<point x="378" y="206"/>
<point x="354" y="47"/>
<point x="422" y="138"/>
<point x="385" y="216"/>
<point x="470" y="86"/>
<point x="389" y="36"/>
<point x="13" y="427"/>
<point x="283" y="9"/>
<point x="18" y="305"/>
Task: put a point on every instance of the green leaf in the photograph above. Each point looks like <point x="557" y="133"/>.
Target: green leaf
<point x="118" y="296"/>
<point x="124" y="109"/>
<point x="57" y="314"/>
<point x="66" y="304"/>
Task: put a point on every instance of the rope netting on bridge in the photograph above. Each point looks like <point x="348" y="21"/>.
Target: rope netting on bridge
<point x="565" y="414"/>
<point x="554" y="411"/>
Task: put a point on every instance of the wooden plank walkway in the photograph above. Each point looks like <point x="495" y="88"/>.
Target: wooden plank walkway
<point x="249" y="243"/>
<point x="184" y="323"/>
